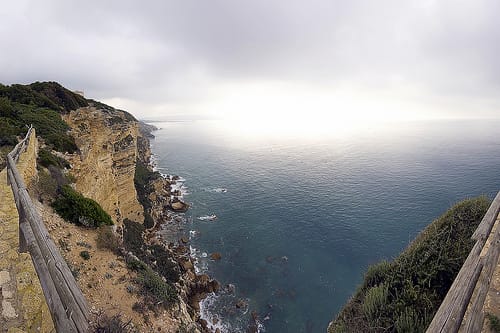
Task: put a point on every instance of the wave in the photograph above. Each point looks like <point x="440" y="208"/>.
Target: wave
<point x="217" y="190"/>
<point x="211" y="217"/>
<point x="219" y="311"/>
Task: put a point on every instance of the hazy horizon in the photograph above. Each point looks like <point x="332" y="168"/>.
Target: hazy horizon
<point x="315" y="63"/>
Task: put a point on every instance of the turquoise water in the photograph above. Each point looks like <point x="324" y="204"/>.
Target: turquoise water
<point x="302" y="218"/>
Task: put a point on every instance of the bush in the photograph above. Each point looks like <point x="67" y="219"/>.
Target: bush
<point x="142" y="178"/>
<point x="494" y="322"/>
<point x="149" y="222"/>
<point x="75" y="208"/>
<point x="46" y="158"/>
<point x="153" y="284"/>
<point x="85" y="255"/>
<point x="153" y="255"/>
<point x="375" y="301"/>
<point x="163" y="263"/>
<point x="107" y="239"/>
<point x="404" y="294"/>
<point x="39" y="104"/>
<point x="132" y="236"/>
<point x="63" y="98"/>
<point x="47" y="186"/>
<point x="115" y="324"/>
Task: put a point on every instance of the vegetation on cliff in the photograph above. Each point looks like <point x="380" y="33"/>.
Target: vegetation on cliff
<point x="40" y="104"/>
<point x="75" y="208"/>
<point x="403" y="295"/>
<point x="158" y="285"/>
<point x="142" y="180"/>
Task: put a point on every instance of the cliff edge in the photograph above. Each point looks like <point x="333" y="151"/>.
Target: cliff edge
<point x="104" y="167"/>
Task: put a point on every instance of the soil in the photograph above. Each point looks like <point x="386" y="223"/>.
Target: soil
<point x="108" y="285"/>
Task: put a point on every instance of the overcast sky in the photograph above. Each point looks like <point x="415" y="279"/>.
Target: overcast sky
<point x="207" y="58"/>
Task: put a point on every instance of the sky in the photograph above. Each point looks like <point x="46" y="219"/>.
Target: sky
<point x="307" y="61"/>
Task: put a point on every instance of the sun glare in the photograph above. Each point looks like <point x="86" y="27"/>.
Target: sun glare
<point x="278" y="111"/>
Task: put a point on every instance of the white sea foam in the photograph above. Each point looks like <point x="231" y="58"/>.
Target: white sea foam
<point x="211" y="217"/>
<point x="205" y="313"/>
<point x="217" y="190"/>
<point x="153" y="162"/>
<point x="209" y="312"/>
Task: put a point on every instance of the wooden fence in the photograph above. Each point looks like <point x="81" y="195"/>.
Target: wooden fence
<point x="461" y="310"/>
<point x="67" y="305"/>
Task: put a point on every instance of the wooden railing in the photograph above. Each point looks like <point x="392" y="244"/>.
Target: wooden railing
<point x="67" y="305"/>
<point x="461" y="310"/>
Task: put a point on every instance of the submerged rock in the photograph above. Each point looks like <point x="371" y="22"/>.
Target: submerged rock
<point x="216" y="256"/>
<point x="241" y="303"/>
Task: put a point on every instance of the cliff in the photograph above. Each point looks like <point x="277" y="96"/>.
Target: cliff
<point x="105" y="154"/>
<point x="104" y="167"/>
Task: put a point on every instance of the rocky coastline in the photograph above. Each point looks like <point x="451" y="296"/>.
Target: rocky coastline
<point x="163" y="204"/>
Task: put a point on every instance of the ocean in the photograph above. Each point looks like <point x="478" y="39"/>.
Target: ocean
<point x="298" y="219"/>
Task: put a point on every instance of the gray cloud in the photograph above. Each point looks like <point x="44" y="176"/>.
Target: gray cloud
<point x="158" y="52"/>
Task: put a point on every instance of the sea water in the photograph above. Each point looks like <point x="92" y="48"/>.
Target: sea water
<point x="297" y="220"/>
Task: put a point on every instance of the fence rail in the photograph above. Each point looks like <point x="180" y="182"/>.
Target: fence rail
<point x="67" y="305"/>
<point x="461" y="309"/>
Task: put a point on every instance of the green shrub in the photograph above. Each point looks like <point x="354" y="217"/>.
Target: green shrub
<point x="142" y="179"/>
<point x="46" y="158"/>
<point x="163" y="263"/>
<point x="102" y="323"/>
<point x="375" y="301"/>
<point x="75" y="208"/>
<point x="410" y="322"/>
<point x="132" y="237"/>
<point x="85" y="255"/>
<point x="9" y="131"/>
<point x="417" y="280"/>
<point x="152" y="255"/>
<point x="107" y="239"/>
<point x="65" y="99"/>
<point x="149" y="222"/>
<point x="50" y="126"/>
<point x="136" y="265"/>
<point x="494" y="322"/>
<point x="153" y="284"/>
<point x="376" y="274"/>
<point x="47" y="186"/>
<point x="41" y="105"/>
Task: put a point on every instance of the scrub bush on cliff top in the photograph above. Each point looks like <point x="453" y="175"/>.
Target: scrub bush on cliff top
<point x="403" y="295"/>
<point x="75" y="208"/>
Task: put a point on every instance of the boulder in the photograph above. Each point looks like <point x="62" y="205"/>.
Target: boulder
<point x="179" y="206"/>
<point x="187" y="265"/>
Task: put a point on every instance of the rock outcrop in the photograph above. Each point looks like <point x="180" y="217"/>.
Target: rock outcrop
<point x="104" y="168"/>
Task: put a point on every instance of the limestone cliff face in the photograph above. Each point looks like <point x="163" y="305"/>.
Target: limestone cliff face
<point x="104" y="168"/>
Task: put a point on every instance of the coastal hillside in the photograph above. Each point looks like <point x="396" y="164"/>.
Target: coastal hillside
<point x="97" y="140"/>
<point x="39" y="104"/>
<point x="103" y="204"/>
<point x="403" y="295"/>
